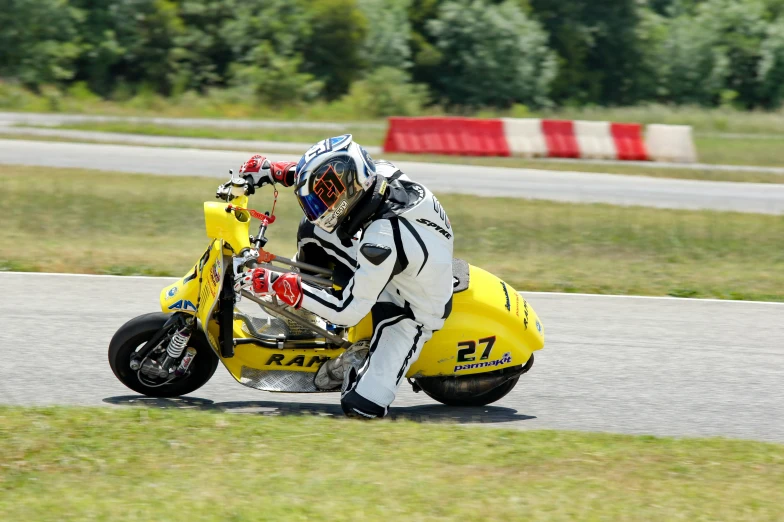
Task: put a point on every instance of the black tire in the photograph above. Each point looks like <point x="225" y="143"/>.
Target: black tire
<point x="484" y="399"/>
<point x="474" y="390"/>
<point x="138" y="331"/>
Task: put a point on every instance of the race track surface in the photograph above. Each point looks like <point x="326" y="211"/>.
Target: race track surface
<point x="474" y="180"/>
<point x="615" y="364"/>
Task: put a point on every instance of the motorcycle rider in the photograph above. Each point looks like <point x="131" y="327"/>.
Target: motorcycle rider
<point x="391" y="238"/>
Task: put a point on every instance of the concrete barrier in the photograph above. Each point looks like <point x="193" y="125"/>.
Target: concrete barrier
<point x="674" y="143"/>
<point x="595" y="140"/>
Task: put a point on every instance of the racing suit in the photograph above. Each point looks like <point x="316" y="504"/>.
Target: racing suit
<point x="395" y="251"/>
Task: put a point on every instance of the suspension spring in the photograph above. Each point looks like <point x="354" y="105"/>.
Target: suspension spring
<point x="178" y="342"/>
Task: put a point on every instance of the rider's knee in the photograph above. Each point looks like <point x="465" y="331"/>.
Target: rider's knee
<point x="355" y="405"/>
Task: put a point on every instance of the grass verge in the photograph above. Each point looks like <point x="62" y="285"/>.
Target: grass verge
<point x="363" y="135"/>
<point x="131" y="464"/>
<point x="704" y="174"/>
<point x="95" y="222"/>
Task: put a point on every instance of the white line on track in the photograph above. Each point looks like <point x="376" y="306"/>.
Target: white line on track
<point x="614" y="296"/>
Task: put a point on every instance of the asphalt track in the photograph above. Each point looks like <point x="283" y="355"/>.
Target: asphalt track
<point x="443" y="178"/>
<point x="675" y="367"/>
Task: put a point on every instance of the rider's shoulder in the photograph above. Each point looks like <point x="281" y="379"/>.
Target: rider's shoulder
<point x="385" y="168"/>
<point x="379" y="230"/>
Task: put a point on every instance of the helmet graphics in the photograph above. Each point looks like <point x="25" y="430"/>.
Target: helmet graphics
<point x="331" y="178"/>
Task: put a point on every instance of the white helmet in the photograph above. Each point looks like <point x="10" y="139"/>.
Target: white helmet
<point x="331" y="178"/>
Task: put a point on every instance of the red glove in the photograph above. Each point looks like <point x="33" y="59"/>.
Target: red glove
<point x="288" y="287"/>
<point x="261" y="171"/>
<point x="283" y="172"/>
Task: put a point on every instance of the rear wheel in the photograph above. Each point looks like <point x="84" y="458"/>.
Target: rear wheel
<point x="134" y="334"/>
<point x="473" y="390"/>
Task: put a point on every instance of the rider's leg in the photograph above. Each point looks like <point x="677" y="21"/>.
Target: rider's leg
<point x="394" y="347"/>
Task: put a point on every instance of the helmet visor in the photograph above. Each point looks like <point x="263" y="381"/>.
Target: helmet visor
<point x="312" y="206"/>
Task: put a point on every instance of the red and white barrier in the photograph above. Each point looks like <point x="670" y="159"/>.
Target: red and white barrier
<point x="539" y="138"/>
<point x="595" y="140"/>
<point x="671" y="143"/>
<point x="525" y="137"/>
<point x="459" y="136"/>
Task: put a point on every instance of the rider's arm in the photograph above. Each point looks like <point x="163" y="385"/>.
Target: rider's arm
<point x="260" y="171"/>
<point x="377" y="257"/>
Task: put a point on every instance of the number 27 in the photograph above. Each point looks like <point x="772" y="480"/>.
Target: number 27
<point x="468" y="353"/>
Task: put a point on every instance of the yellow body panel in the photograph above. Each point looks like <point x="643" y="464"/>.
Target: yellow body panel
<point x="488" y="321"/>
<point x="491" y="327"/>
<point x="231" y="227"/>
<point x="262" y="358"/>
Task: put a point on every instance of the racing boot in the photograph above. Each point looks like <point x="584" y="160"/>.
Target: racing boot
<point x="330" y="375"/>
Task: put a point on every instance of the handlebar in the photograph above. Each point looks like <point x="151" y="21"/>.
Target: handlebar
<point x="263" y="259"/>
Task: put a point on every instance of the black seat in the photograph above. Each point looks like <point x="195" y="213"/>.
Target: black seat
<point x="460" y="276"/>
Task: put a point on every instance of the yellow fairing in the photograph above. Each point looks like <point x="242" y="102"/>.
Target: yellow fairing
<point x="197" y="292"/>
<point x="231" y="227"/>
<point x="491" y="327"/>
<point x="229" y="231"/>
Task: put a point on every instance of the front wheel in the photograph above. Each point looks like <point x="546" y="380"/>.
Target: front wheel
<point x="134" y="334"/>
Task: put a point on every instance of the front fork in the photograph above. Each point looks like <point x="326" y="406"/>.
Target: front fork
<point x="146" y="364"/>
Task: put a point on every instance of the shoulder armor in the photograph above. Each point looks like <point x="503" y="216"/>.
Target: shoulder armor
<point x="375" y="253"/>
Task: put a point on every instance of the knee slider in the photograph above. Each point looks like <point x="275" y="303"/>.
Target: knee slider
<point x="356" y="406"/>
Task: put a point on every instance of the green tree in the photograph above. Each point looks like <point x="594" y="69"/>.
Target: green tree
<point x="599" y="53"/>
<point x="39" y="41"/>
<point x="386" y="91"/>
<point x="492" y="55"/>
<point x="129" y="41"/>
<point x="713" y="54"/>
<point x="771" y="66"/>
<point x="203" y="52"/>
<point x="386" y="43"/>
<point x="332" y="49"/>
<point x="266" y="38"/>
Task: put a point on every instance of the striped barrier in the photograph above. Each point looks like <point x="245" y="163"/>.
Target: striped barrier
<point x="533" y="138"/>
<point x="454" y="136"/>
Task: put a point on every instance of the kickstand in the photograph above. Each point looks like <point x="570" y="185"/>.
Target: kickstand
<point x="415" y="385"/>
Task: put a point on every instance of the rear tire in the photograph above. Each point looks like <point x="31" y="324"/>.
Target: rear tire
<point x="134" y="334"/>
<point x="490" y="397"/>
<point x="471" y="390"/>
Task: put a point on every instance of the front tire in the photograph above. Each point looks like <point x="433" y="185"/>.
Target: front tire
<point x="134" y="334"/>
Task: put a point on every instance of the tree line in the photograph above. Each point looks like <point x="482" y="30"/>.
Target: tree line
<point x="405" y="54"/>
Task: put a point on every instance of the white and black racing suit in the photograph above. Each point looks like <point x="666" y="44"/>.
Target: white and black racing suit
<point x="396" y="252"/>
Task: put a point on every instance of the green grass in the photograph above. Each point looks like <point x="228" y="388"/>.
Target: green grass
<point x="762" y="151"/>
<point x="129" y="464"/>
<point x="711" y="149"/>
<point x="363" y="135"/>
<point x="93" y="222"/>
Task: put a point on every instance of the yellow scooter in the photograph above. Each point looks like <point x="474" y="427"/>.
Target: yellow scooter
<point x="486" y="344"/>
